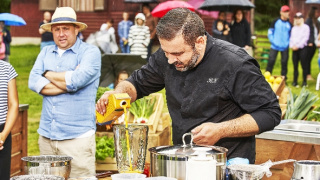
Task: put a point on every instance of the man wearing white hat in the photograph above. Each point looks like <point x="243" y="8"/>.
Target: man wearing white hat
<point x="67" y="76"/>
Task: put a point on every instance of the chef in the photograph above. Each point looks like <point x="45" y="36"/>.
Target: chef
<point x="213" y="88"/>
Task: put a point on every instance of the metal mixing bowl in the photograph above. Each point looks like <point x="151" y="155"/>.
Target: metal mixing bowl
<point x="58" y="165"/>
<point x="37" y="177"/>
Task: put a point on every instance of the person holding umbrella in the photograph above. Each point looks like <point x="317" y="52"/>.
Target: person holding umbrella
<point x="240" y="30"/>
<point x="225" y="30"/>
<point x="214" y="89"/>
<point x="6" y="37"/>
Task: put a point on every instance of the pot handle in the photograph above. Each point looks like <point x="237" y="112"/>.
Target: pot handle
<point x="184" y="135"/>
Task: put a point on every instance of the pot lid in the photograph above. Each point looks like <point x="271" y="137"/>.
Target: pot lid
<point x="187" y="149"/>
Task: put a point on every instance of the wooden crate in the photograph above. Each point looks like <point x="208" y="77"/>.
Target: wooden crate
<point x="282" y="85"/>
<point x="164" y="121"/>
<point x="154" y="118"/>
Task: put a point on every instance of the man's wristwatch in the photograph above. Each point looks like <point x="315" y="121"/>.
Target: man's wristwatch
<point x="44" y="73"/>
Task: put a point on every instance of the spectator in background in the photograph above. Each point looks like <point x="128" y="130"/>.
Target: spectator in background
<point x="151" y="22"/>
<point x="123" y="32"/>
<point x="298" y="42"/>
<point x="9" y="104"/>
<point x="108" y="37"/>
<point x="313" y="24"/>
<point x="2" y="48"/>
<point x="122" y="75"/>
<point x="279" y="37"/>
<point x="139" y="37"/>
<point x="46" y="37"/>
<point x="240" y="31"/>
<point x="221" y="27"/>
<point x="226" y="30"/>
<point x="6" y="37"/>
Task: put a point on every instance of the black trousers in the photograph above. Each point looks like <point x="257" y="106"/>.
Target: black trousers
<point x="300" y="55"/>
<point x="310" y="53"/>
<point x="284" y="61"/>
<point x="5" y="157"/>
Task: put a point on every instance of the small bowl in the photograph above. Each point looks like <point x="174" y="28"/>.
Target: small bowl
<point x="124" y="176"/>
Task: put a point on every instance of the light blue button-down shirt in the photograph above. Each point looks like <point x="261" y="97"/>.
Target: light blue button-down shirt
<point x="68" y="115"/>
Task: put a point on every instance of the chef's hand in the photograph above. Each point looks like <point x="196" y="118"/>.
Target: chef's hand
<point x="103" y="101"/>
<point x="206" y="134"/>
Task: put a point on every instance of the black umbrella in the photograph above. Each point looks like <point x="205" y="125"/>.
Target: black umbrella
<point x="140" y="1"/>
<point x="226" y="5"/>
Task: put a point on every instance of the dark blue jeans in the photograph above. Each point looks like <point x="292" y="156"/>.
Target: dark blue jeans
<point x="284" y="61"/>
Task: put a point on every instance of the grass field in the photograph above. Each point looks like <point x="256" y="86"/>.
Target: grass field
<point x="23" y="58"/>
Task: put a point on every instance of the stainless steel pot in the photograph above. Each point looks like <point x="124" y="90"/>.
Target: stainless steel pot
<point x="306" y="169"/>
<point x="170" y="161"/>
<point x="57" y="165"/>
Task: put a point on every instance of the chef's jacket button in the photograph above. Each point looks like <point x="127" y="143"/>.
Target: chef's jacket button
<point x="58" y="67"/>
<point x="53" y="107"/>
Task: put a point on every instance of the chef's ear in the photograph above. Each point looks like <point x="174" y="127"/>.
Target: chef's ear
<point x="201" y="42"/>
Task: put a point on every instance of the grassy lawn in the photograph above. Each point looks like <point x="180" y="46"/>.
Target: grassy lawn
<point x="23" y="58"/>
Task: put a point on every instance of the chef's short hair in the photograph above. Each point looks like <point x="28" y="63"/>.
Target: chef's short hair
<point x="181" y="21"/>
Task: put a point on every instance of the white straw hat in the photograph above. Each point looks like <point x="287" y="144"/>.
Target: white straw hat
<point x="64" y="15"/>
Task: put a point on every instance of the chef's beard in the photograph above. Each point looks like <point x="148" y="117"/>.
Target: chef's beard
<point x="191" y="63"/>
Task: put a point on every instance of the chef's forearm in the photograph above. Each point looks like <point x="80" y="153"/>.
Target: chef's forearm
<point x="57" y="78"/>
<point x="51" y="90"/>
<point x="127" y="87"/>
<point x="243" y="126"/>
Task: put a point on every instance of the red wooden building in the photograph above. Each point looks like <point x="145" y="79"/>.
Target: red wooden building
<point x="91" y="12"/>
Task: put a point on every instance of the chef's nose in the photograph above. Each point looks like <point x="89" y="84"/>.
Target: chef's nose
<point x="171" y="59"/>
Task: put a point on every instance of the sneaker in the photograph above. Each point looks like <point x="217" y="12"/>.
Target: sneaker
<point x="304" y="84"/>
<point x="294" y="84"/>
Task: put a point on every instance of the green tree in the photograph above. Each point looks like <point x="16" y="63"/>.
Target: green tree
<point x="5" y="6"/>
<point x="266" y="12"/>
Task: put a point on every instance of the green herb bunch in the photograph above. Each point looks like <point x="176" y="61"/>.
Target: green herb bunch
<point x="142" y="109"/>
<point x="104" y="147"/>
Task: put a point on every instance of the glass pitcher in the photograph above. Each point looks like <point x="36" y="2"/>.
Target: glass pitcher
<point x="130" y="147"/>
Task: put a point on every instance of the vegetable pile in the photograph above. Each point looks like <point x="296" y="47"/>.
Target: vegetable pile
<point x="314" y="115"/>
<point x="142" y="109"/>
<point x="299" y="105"/>
<point x="104" y="147"/>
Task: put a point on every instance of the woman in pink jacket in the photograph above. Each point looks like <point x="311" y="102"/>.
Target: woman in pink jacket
<point x="298" y="42"/>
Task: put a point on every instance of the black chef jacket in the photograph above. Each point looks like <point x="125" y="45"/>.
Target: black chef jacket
<point x="226" y="84"/>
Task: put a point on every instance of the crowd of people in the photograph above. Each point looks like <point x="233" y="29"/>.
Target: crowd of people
<point x="302" y="37"/>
